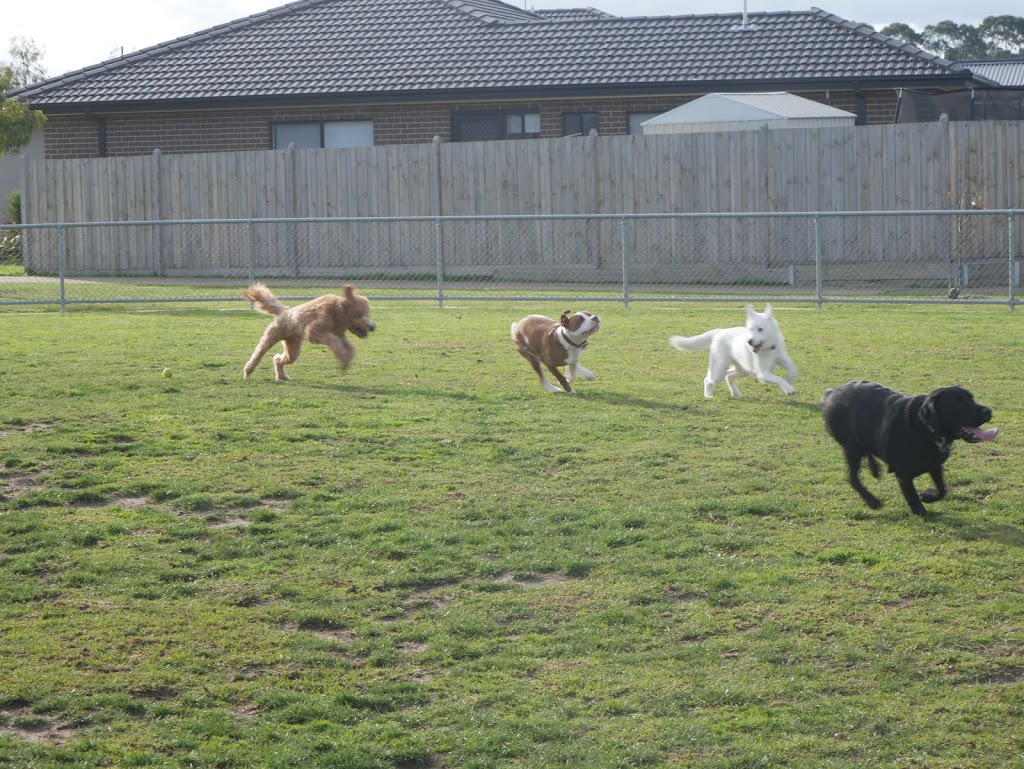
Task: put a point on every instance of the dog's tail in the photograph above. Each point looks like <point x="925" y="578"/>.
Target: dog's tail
<point x="691" y="343"/>
<point x="265" y="301"/>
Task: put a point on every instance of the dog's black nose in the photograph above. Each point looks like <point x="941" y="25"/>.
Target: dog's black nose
<point x="986" y="414"/>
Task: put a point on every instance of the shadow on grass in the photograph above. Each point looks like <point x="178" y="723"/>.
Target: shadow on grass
<point x="982" y="531"/>
<point x="609" y="398"/>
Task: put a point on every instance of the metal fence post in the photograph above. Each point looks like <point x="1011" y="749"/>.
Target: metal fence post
<point x="439" y="250"/>
<point x="817" y="262"/>
<point x="60" y="264"/>
<point x="1009" y="260"/>
<point x="250" y="228"/>
<point x="625" y="262"/>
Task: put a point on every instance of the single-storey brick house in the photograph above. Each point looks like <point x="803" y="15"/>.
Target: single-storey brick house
<point x="319" y="73"/>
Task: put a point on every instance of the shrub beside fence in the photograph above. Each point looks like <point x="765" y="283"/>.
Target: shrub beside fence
<point x="920" y="256"/>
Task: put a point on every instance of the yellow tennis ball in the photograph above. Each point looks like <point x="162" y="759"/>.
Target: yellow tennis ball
<point x="167" y="373"/>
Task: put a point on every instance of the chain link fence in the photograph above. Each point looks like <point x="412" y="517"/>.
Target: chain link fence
<point x="917" y="256"/>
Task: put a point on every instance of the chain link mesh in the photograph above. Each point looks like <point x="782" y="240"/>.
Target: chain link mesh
<point x="913" y="256"/>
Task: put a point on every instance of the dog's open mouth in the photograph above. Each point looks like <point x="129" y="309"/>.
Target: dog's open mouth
<point x="978" y="434"/>
<point x="756" y="347"/>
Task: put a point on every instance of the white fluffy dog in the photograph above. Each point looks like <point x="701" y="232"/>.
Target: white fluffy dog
<point x="751" y="350"/>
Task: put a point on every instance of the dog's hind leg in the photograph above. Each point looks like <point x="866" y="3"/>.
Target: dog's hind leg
<point x="269" y="339"/>
<point x="934" y="495"/>
<point x="853" y="458"/>
<point x="292" y="347"/>
<point x="873" y="466"/>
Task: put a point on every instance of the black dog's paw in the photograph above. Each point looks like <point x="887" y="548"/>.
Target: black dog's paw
<point x="870" y="499"/>
<point x="932" y="495"/>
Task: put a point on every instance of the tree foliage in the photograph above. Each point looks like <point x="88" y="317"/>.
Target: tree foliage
<point x="997" y="37"/>
<point x="17" y="121"/>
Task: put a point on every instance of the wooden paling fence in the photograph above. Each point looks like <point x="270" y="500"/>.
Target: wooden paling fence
<point x="911" y="167"/>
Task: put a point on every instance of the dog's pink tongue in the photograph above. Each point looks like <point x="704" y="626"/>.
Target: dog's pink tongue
<point x="983" y="435"/>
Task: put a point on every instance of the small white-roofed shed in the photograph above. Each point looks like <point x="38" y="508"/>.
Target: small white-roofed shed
<point x="747" y="112"/>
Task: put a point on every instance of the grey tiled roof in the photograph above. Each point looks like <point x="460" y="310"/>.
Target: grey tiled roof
<point x="364" y="49"/>
<point x="563" y="14"/>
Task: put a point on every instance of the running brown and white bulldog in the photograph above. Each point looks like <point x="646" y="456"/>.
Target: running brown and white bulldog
<point x="556" y="344"/>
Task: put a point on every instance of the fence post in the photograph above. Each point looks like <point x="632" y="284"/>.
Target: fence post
<point x="817" y="261"/>
<point x="625" y="262"/>
<point x="250" y="228"/>
<point x="1009" y="260"/>
<point x="158" y="250"/>
<point x="439" y="251"/>
<point x="437" y="209"/>
<point x="60" y="263"/>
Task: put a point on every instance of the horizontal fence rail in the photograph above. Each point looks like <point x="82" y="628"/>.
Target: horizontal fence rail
<point x="967" y="256"/>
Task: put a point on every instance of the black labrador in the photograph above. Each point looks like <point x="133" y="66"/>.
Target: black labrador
<point x="911" y="433"/>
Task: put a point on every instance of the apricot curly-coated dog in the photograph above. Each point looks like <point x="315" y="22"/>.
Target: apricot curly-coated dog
<point x="323" y="320"/>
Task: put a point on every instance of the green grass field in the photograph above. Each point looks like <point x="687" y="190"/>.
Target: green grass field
<point x="427" y="561"/>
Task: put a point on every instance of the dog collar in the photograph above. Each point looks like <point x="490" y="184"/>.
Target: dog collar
<point x="941" y="444"/>
<point x="565" y="338"/>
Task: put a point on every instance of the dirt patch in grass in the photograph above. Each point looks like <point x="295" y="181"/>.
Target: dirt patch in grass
<point x="26" y="429"/>
<point x="226" y="521"/>
<point x="536" y="580"/>
<point x="425" y="599"/>
<point x="22" y="723"/>
<point x="682" y="598"/>
<point x="16" y="484"/>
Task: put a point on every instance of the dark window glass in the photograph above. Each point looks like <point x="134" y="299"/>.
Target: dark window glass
<point x="581" y="123"/>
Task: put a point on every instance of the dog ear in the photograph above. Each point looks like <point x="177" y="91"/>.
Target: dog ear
<point x="565" y="317"/>
<point x="350" y="290"/>
<point x="768" y="310"/>
<point x="929" y="414"/>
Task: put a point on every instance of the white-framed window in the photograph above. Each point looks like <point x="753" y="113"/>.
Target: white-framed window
<point x="335" y="133"/>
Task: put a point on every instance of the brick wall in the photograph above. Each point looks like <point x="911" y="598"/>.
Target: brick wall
<point x="139" y="133"/>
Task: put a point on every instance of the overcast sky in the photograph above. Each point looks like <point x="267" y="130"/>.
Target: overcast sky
<point x="76" y="34"/>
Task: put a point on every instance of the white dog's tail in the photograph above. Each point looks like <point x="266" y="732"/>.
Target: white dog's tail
<point x="265" y="301"/>
<point x="691" y="343"/>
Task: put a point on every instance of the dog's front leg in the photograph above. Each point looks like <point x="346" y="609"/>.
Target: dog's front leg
<point x="561" y="380"/>
<point x="575" y="368"/>
<point x="783" y="385"/>
<point x="535" y="365"/>
<point x="787" y="364"/>
<point x="910" y="494"/>
<point x="730" y="379"/>
<point x="934" y="495"/>
<point x="343" y="349"/>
